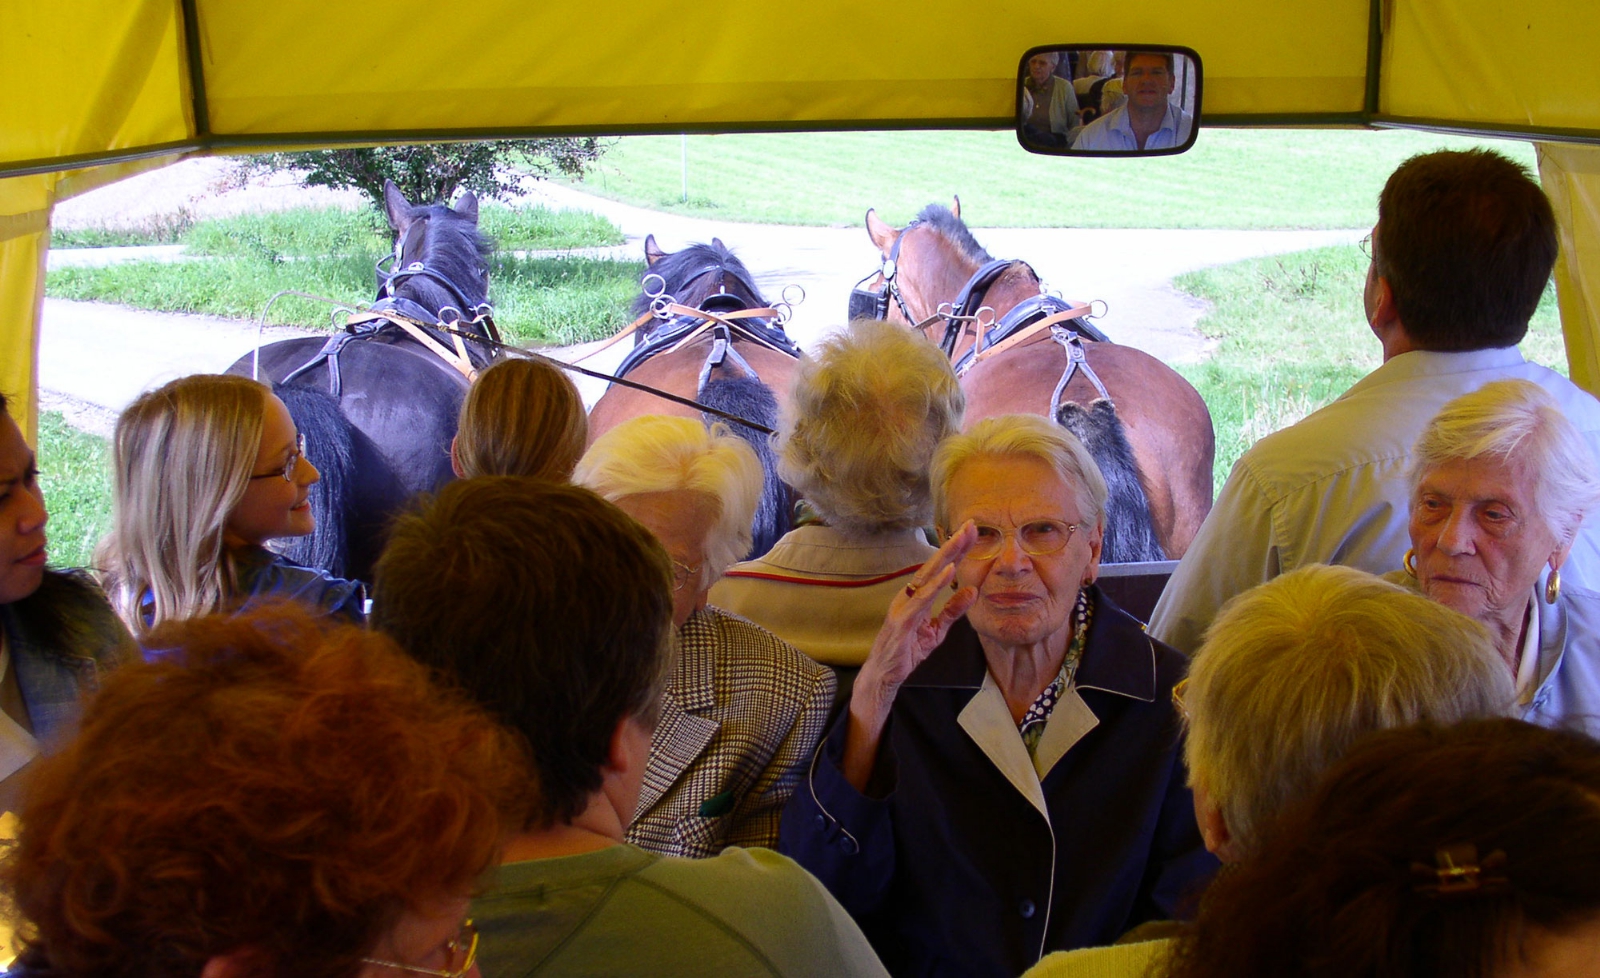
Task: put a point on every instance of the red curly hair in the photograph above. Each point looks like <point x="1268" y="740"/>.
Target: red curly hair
<point x="269" y="784"/>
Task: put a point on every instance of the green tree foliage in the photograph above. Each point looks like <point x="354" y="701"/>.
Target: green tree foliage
<point x="435" y="172"/>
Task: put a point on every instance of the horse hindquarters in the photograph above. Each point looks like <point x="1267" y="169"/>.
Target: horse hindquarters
<point x="749" y="398"/>
<point x="401" y="407"/>
<point x="1165" y="421"/>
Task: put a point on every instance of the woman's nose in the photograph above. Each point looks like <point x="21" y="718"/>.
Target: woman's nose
<point x="1458" y="535"/>
<point x="307" y="472"/>
<point x="33" y="515"/>
<point x="1011" y="556"/>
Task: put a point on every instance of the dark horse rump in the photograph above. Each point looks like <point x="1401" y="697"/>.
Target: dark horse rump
<point x="753" y="400"/>
<point x="378" y="445"/>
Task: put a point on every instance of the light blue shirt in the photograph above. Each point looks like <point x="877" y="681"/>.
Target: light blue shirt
<point x="1333" y="489"/>
<point x="1113" y="132"/>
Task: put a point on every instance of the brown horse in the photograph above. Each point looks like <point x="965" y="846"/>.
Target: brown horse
<point x="935" y="261"/>
<point x="715" y="340"/>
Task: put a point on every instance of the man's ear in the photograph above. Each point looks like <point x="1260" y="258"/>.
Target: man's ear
<point x="630" y="747"/>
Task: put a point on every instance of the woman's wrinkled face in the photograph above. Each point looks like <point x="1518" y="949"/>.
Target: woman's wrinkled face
<point x="682" y="520"/>
<point x="1022" y="598"/>
<point x="1039" y="70"/>
<point x="272" y="507"/>
<point x="22" y="516"/>
<point x="1480" y="544"/>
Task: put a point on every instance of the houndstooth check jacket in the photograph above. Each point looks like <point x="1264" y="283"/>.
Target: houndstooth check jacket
<point x="741" y="715"/>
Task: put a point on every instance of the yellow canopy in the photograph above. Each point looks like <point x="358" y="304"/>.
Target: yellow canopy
<point x="98" y="89"/>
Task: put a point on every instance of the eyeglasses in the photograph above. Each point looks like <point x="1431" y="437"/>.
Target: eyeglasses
<point x="681" y="573"/>
<point x="463" y="950"/>
<point x="1036" y="539"/>
<point x="1365" y="244"/>
<point x="1178" y="692"/>
<point x="287" y="472"/>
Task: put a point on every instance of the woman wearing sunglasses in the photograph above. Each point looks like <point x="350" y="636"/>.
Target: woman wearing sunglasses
<point x="1007" y="780"/>
<point x="209" y="468"/>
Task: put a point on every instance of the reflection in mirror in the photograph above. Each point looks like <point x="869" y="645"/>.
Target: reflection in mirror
<point x="1103" y="100"/>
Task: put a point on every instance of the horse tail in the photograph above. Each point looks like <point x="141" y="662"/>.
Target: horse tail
<point x="1130" y="531"/>
<point x="330" y="447"/>
<point x="749" y="398"/>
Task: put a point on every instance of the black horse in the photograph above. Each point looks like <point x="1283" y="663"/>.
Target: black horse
<point x="378" y="407"/>
<point x="741" y="363"/>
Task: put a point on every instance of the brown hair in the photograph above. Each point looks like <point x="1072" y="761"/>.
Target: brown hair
<point x="547" y="604"/>
<point x="1466" y="241"/>
<point x="267" y="783"/>
<point x="1346" y="883"/>
<point x="522" y="416"/>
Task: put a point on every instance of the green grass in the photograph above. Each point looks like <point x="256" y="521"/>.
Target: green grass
<point x="330" y="252"/>
<point x="158" y="229"/>
<point x="1291" y="336"/>
<point x="75" y="473"/>
<point x="1233" y="178"/>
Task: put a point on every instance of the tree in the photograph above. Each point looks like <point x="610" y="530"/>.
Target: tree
<point x="435" y="171"/>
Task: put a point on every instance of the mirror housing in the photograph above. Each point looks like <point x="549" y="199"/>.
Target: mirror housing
<point x="1074" y="99"/>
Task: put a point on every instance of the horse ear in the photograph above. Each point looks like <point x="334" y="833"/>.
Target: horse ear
<point x="395" y="205"/>
<point x="652" y="251"/>
<point x="955" y="207"/>
<point x="467" y="206"/>
<point x="717" y="243"/>
<point x="881" y="234"/>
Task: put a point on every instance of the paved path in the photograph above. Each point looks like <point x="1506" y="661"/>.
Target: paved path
<point x="95" y="357"/>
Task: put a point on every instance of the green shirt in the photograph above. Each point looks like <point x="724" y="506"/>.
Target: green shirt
<point x="622" y="910"/>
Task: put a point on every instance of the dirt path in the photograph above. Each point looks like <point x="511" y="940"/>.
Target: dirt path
<point x="95" y="357"/>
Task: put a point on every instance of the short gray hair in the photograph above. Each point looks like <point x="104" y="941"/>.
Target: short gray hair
<point x="1295" y="671"/>
<point x="1517" y="421"/>
<point x="656" y="453"/>
<point x="1021" y="436"/>
<point x="863" y="420"/>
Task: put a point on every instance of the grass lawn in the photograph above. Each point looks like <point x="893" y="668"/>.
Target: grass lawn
<point x="1233" y="178"/>
<point x="1292" y="337"/>
<point x="330" y="252"/>
<point x="75" y="474"/>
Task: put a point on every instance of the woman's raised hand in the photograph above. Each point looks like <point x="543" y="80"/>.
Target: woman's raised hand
<point x="910" y="633"/>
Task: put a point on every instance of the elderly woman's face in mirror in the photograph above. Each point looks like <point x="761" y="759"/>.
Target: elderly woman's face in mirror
<point x="1480" y="544"/>
<point x="682" y="521"/>
<point x="1022" y="599"/>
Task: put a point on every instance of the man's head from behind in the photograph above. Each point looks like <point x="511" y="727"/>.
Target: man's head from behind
<point x="545" y="603"/>
<point x="1465" y="241"/>
<point x="1295" y="671"/>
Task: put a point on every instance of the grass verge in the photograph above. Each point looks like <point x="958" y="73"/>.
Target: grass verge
<point x="75" y="474"/>
<point x="245" y="260"/>
<point x="1233" y="178"/>
<point x="1292" y="336"/>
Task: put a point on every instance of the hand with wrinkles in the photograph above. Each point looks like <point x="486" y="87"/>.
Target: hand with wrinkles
<point x="909" y="635"/>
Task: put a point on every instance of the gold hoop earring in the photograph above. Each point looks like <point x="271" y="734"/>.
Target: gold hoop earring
<point x="1552" y="587"/>
<point x="1409" y="561"/>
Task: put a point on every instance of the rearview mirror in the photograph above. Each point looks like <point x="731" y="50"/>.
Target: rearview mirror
<point x="1103" y="100"/>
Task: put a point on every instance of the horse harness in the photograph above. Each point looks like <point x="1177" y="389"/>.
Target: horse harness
<point x="391" y="311"/>
<point x="1064" y="320"/>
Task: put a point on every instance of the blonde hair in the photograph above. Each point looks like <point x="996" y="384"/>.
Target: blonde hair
<point x="182" y="456"/>
<point x="1021" y="436"/>
<point x="1295" y="671"/>
<point x="522" y="416"/>
<point x="863" y="419"/>
<point x="1517" y="421"/>
<point x="656" y="453"/>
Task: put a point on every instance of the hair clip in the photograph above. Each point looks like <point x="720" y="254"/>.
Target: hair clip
<point x="1458" y="872"/>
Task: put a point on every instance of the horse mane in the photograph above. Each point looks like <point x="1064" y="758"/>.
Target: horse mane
<point x="455" y="248"/>
<point x="678" y="268"/>
<point x="939" y="218"/>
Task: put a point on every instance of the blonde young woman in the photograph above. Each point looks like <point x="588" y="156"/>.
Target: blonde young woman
<point x="521" y="417"/>
<point x="209" y="468"/>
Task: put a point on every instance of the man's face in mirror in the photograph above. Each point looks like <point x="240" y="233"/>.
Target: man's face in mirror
<point x="1148" y="81"/>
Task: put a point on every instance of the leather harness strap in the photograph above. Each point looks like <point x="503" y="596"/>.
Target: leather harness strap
<point x="1077" y="360"/>
<point x="1025" y="334"/>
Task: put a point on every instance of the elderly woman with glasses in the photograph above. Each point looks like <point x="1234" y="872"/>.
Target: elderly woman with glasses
<point x="1008" y="778"/>
<point x="742" y="710"/>
<point x="1500" y="485"/>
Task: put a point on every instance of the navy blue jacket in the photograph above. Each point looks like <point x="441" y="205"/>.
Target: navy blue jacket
<point x="952" y="866"/>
